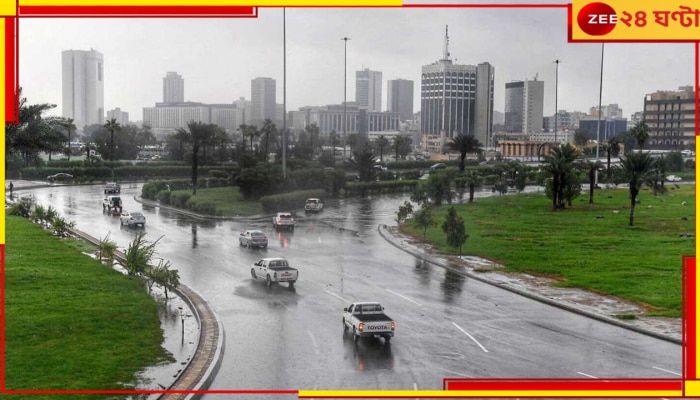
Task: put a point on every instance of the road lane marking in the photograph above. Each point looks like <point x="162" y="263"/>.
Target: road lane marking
<point x="313" y="341"/>
<point x="471" y="337"/>
<point x="665" y="370"/>
<point x="404" y="297"/>
<point x="415" y="386"/>
<point x="590" y="376"/>
<point x="335" y="295"/>
<point x="456" y="374"/>
<point x="341" y="273"/>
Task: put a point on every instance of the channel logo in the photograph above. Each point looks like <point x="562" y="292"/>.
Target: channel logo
<point x="597" y="19"/>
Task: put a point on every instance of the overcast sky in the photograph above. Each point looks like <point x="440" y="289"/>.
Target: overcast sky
<point x="218" y="57"/>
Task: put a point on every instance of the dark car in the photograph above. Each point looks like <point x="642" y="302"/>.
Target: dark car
<point x="61" y="176"/>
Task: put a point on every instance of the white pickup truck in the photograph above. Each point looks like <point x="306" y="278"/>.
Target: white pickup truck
<point x="368" y="320"/>
<point x="274" y="270"/>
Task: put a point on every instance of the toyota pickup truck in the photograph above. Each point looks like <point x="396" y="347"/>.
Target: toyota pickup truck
<point x="274" y="270"/>
<point x="367" y="320"/>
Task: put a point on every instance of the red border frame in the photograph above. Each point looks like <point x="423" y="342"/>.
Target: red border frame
<point x="11" y="108"/>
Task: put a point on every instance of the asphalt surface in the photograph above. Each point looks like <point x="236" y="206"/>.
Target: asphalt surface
<point x="449" y="324"/>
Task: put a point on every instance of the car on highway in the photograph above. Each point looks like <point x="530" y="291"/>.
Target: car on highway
<point x="253" y="238"/>
<point x="283" y="220"/>
<point x="112" y="204"/>
<point x="112" y="187"/>
<point x="674" y="178"/>
<point x="367" y="319"/>
<point x="313" y="205"/>
<point x="274" y="270"/>
<point x="437" y="166"/>
<point x="61" y="176"/>
<point x="132" y="219"/>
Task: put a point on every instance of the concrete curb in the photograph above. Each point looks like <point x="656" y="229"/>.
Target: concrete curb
<point x="389" y="237"/>
<point x="200" y="371"/>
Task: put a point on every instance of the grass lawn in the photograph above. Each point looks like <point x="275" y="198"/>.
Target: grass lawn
<point x="228" y="200"/>
<point x="641" y="263"/>
<point x="72" y="323"/>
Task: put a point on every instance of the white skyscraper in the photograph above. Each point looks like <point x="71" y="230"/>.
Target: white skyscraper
<point x="83" y="87"/>
<point x="368" y="89"/>
<point x="173" y="88"/>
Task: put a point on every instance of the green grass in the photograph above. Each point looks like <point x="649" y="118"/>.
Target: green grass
<point x="640" y="263"/>
<point x="72" y="323"/>
<point x="228" y="200"/>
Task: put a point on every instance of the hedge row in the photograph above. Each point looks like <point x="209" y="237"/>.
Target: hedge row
<point x="102" y="173"/>
<point x="183" y="199"/>
<point x="152" y="190"/>
<point x="289" y="201"/>
<point x="362" y="188"/>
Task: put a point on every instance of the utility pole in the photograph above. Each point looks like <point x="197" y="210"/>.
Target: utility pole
<point x="345" y="96"/>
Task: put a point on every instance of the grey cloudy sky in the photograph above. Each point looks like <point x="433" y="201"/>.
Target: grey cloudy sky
<point x="219" y="57"/>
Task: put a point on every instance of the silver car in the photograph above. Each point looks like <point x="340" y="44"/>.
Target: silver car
<point x="252" y="239"/>
<point x="132" y="219"/>
<point x="283" y="220"/>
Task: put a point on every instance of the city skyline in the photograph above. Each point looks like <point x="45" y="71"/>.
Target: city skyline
<point x="219" y="63"/>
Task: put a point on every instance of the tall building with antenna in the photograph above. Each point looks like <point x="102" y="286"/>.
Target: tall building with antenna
<point x="457" y="99"/>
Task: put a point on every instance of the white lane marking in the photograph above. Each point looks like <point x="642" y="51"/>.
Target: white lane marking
<point x="415" y="386"/>
<point x="404" y="297"/>
<point x="471" y="337"/>
<point x="590" y="376"/>
<point x="335" y="295"/>
<point x="313" y="341"/>
<point x="665" y="370"/>
<point x="456" y="374"/>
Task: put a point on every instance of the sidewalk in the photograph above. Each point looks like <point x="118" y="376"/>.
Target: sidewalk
<point x="592" y="305"/>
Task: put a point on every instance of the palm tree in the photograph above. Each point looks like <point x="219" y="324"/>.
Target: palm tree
<point x="592" y="167"/>
<point x="200" y="133"/>
<point x="69" y="125"/>
<point x="559" y="164"/>
<point x="269" y="132"/>
<point x="111" y="126"/>
<point x="364" y="162"/>
<point x="382" y="142"/>
<point x="637" y="168"/>
<point x="640" y="133"/>
<point x="474" y="180"/>
<point x="612" y="148"/>
<point x="464" y="144"/>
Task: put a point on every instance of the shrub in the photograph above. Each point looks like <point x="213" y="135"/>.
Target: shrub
<point x="164" y="196"/>
<point x="179" y="199"/>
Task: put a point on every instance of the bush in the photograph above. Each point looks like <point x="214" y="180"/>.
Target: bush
<point x="164" y="196"/>
<point x="179" y="199"/>
<point x="362" y="188"/>
<point x="201" y="207"/>
<point x="289" y="201"/>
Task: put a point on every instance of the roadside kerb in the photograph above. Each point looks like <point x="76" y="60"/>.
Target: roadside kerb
<point x="389" y="237"/>
<point x="202" y="368"/>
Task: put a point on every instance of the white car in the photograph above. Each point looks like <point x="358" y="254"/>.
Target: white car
<point x="283" y="220"/>
<point x="274" y="270"/>
<point x="313" y="205"/>
<point x="673" y="178"/>
<point x="132" y="219"/>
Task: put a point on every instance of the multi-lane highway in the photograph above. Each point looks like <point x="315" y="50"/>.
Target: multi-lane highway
<point x="446" y="325"/>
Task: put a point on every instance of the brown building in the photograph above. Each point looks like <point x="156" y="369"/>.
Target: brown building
<point x="670" y="116"/>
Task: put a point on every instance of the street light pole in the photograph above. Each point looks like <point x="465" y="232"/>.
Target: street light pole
<point x="556" y="94"/>
<point x="345" y="95"/>
<point x="600" y="111"/>
<point x="284" y="93"/>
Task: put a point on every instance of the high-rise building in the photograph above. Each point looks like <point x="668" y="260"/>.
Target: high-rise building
<point x="400" y="98"/>
<point x="173" y="88"/>
<point x="83" y="87"/>
<point x="368" y="89"/>
<point x="122" y="117"/>
<point x="670" y="116"/>
<point x="263" y="100"/>
<point x="524" y="106"/>
<point x="457" y="99"/>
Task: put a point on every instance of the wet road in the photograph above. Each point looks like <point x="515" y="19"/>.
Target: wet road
<point x="446" y="325"/>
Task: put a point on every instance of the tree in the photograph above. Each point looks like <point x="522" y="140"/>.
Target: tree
<point x="112" y="125"/>
<point x="474" y="181"/>
<point x="381" y="143"/>
<point x="163" y="276"/>
<point x="402" y="146"/>
<point x="200" y="133"/>
<point x="581" y="137"/>
<point x="69" y="126"/>
<point x="612" y="148"/>
<point x="138" y="255"/>
<point x="454" y="229"/>
<point x="592" y="167"/>
<point x="439" y="187"/>
<point x="365" y="160"/>
<point x="637" y="168"/>
<point x="404" y="212"/>
<point x="106" y="249"/>
<point x="640" y="133"/>
<point x="464" y="144"/>
<point x="250" y="131"/>
<point x="269" y="134"/>
<point x="559" y="166"/>
<point x="424" y="218"/>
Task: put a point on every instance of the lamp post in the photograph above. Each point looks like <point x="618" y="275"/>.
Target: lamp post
<point x="600" y="111"/>
<point x="556" y="93"/>
<point x="182" y="319"/>
<point x="345" y="95"/>
<point x="284" y="93"/>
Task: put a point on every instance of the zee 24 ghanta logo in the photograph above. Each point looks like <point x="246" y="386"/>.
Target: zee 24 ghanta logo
<point x="599" y="19"/>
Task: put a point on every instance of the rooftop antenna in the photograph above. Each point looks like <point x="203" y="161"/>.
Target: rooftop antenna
<point x="446" y="53"/>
